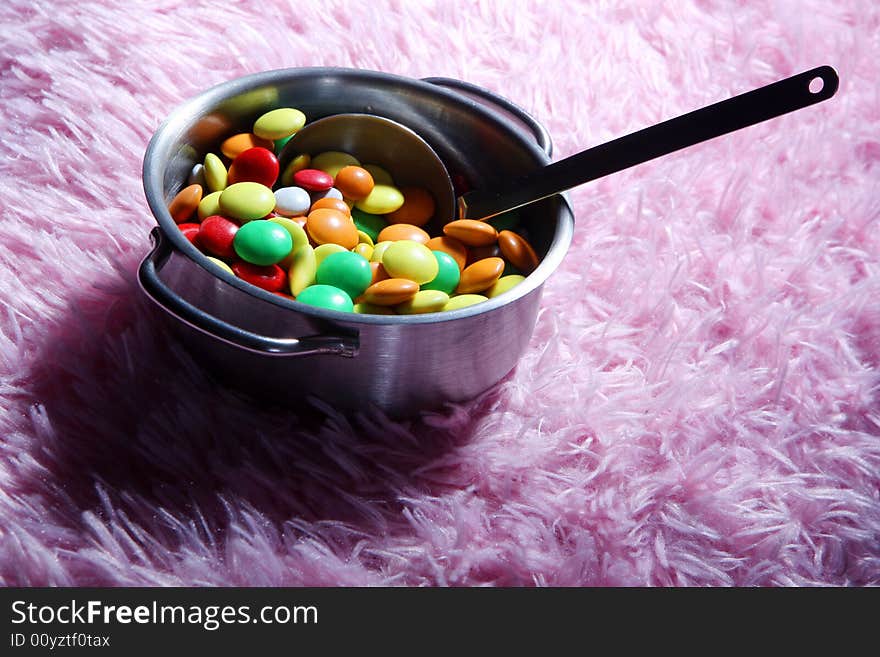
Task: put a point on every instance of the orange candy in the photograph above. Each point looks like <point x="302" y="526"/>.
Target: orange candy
<point x="396" y="232"/>
<point x="518" y="251"/>
<point x="328" y="226"/>
<point x="390" y="292"/>
<point x="333" y="204"/>
<point x="354" y="182"/>
<point x="184" y="205"/>
<point x="480" y="276"/>
<point x="417" y="208"/>
<point x="379" y="273"/>
<point x="480" y="252"/>
<point x="241" y="142"/>
<point x="471" y="232"/>
<point x="452" y="246"/>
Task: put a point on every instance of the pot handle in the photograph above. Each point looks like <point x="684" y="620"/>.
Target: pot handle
<point x="501" y="105"/>
<point x="170" y="302"/>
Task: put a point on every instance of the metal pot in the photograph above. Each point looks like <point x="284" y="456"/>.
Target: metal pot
<point x="261" y="342"/>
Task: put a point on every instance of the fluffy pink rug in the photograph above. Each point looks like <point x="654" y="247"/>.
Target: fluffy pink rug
<point x="699" y="403"/>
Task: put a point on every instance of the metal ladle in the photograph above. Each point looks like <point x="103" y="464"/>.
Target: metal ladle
<point x="412" y="161"/>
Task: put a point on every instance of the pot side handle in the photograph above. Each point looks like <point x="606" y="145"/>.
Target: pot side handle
<point x="156" y="289"/>
<point x="500" y="105"/>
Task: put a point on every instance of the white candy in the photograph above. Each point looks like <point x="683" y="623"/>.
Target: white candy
<point x="330" y="193"/>
<point x="292" y="201"/>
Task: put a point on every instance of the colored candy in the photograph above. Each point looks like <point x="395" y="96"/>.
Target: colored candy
<point x="332" y="162"/>
<point x="247" y="200"/>
<point x="411" y="260"/>
<point x="480" y="276"/>
<point x="391" y="291"/>
<point x="292" y="201"/>
<point x="279" y="123"/>
<point x="262" y="242"/>
<point x="354" y="182"/>
<point x="257" y="165"/>
<point x="216" y="176"/>
<point x="425" y="301"/>
<point x="381" y="200"/>
<point x="216" y="235"/>
<point x="326" y="296"/>
<point x="518" y="251"/>
<point x="298" y="163"/>
<point x="209" y="205"/>
<point x="448" y="274"/>
<point x="471" y="232"/>
<point x="395" y="232"/>
<point x="380" y="175"/>
<point x="333" y="204"/>
<point x="463" y="301"/>
<point x="331" y="226"/>
<point x="183" y="206"/>
<point x="504" y="284"/>
<point x="451" y="246"/>
<point x="417" y="208"/>
<point x="371" y="224"/>
<point x="313" y="180"/>
<point x="222" y="265"/>
<point x="347" y="271"/>
<point x="325" y="250"/>
<point x="190" y="231"/>
<point x="239" y="143"/>
<point x="302" y="270"/>
<point x="271" y="277"/>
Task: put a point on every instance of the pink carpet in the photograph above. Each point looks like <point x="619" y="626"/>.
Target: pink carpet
<point x="699" y="402"/>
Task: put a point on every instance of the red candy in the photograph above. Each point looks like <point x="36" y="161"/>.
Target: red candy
<point x="257" y="165"/>
<point x="313" y="180"/>
<point x="190" y="232"/>
<point x="271" y="278"/>
<point x="216" y="234"/>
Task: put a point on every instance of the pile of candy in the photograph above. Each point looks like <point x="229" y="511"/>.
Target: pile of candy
<point x="339" y="234"/>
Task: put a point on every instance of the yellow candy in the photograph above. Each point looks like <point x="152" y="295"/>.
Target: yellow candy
<point x="503" y="284"/>
<point x="221" y="264"/>
<point x="247" y="201"/>
<point x="379" y="251"/>
<point x="463" y="301"/>
<point x="298" y="163"/>
<point x="425" y="301"/>
<point x="297" y="234"/>
<point x="209" y="205"/>
<point x="410" y="260"/>
<point x="372" y="309"/>
<point x="382" y="200"/>
<point x="364" y="249"/>
<point x="302" y="269"/>
<point x="363" y="238"/>
<point x="380" y="175"/>
<point x="279" y="123"/>
<point x="333" y="162"/>
<point x="324" y="250"/>
<point x="216" y="175"/>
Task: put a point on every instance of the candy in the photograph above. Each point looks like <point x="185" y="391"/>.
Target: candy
<point x="364" y="250"/>
<point x="313" y="180"/>
<point x="247" y="200"/>
<point x="197" y="175"/>
<point x="302" y="269"/>
<point x="364" y="308"/>
<point x="327" y="193"/>
<point x="216" y="235"/>
<point x="325" y="250"/>
<point x="391" y="291"/>
<point x="190" y="231"/>
<point x="331" y="226"/>
<point x="471" y="232"/>
<point x="381" y="200"/>
<point x="333" y="204"/>
<point x="395" y="232"/>
<point x="326" y="296"/>
<point x="379" y="250"/>
<point x="518" y="251"/>
<point x="480" y="276"/>
<point x="222" y="265"/>
<point x="332" y="162"/>
<point x="209" y="205"/>
<point x="380" y="175"/>
<point x="378" y="271"/>
<point x="451" y="246"/>
<point x="504" y="284"/>
<point x="262" y="242"/>
<point x="371" y="224"/>
<point x="354" y="182"/>
<point x="417" y="209"/>
<point x="183" y="206"/>
<point x="348" y="271"/>
<point x="425" y="301"/>
<point x="279" y="123"/>
<point x="298" y="163"/>
<point x="239" y="143"/>
<point x="216" y="176"/>
<point x="448" y="274"/>
<point x="297" y="235"/>
<point x="281" y="143"/>
<point x="271" y="278"/>
<point x="254" y="165"/>
<point x="292" y="201"/>
<point x="411" y="260"/>
<point x="363" y="238"/>
<point x="463" y="301"/>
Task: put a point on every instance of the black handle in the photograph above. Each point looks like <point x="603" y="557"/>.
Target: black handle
<point x="169" y="301"/>
<point x="713" y="121"/>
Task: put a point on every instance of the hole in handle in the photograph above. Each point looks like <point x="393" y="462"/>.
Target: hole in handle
<point x="816" y="85"/>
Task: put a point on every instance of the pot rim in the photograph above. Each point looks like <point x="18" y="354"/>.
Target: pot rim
<point x="181" y="118"/>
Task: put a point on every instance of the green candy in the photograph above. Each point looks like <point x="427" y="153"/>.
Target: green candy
<point x="262" y="242"/>
<point x="326" y="296"/>
<point x="371" y="224"/>
<point x="281" y="143"/>
<point x="348" y="271"/>
<point x="448" y="275"/>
